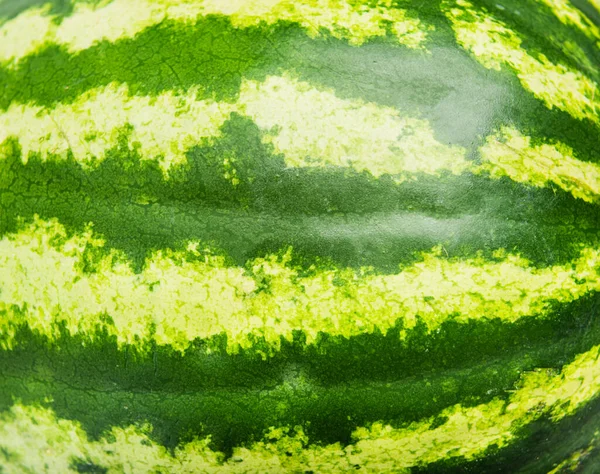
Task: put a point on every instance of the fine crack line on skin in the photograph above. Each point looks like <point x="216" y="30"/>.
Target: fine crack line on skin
<point x="60" y="131"/>
<point x="175" y="74"/>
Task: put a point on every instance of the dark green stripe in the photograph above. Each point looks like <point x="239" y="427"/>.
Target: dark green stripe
<point x="586" y="7"/>
<point x="539" y="447"/>
<point x="170" y="55"/>
<point x="195" y="394"/>
<point x="235" y="398"/>
<point x="462" y="100"/>
<point x="543" y="33"/>
<point x="330" y="216"/>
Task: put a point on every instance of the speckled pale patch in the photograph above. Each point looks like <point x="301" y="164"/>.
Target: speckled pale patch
<point x="355" y="21"/>
<point x="494" y="45"/>
<point x="511" y="154"/>
<point x="120" y="19"/>
<point x="311" y="127"/>
<point x="184" y="298"/>
<point x="164" y="127"/>
<point x="37" y="441"/>
<point x="314" y="127"/>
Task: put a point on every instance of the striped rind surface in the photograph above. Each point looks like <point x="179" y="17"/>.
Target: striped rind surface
<point x="39" y="441"/>
<point x="174" y="301"/>
<point x="119" y="19"/>
<point x="290" y="218"/>
<point x="299" y="121"/>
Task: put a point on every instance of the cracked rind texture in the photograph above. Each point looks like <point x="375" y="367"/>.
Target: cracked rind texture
<point x="120" y="19"/>
<point x="495" y="45"/>
<point x="280" y="196"/>
<point x="173" y="301"/>
<point x="300" y="121"/>
<point x="38" y="441"/>
<point x="511" y="154"/>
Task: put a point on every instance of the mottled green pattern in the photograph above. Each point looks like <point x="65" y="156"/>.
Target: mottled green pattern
<point x="266" y="236"/>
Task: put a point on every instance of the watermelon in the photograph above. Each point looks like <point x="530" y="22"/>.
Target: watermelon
<point x="310" y="236"/>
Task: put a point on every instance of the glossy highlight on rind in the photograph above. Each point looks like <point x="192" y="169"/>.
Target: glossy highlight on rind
<point x="272" y="236"/>
<point x="175" y="300"/>
<point x="299" y="120"/>
<point x="495" y="45"/>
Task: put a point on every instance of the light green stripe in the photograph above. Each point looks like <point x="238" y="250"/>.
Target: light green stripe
<point x="495" y="45"/>
<point x="164" y="127"/>
<point x="34" y="440"/>
<point x="186" y="298"/>
<point x="595" y="4"/>
<point x="468" y="432"/>
<point x="511" y="154"/>
<point x="121" y="19"/>
<point x="572" y="17"/>
<point x="574" y="462"/>
<point x="310" y="126"/>
<point x="25" y="34"/>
